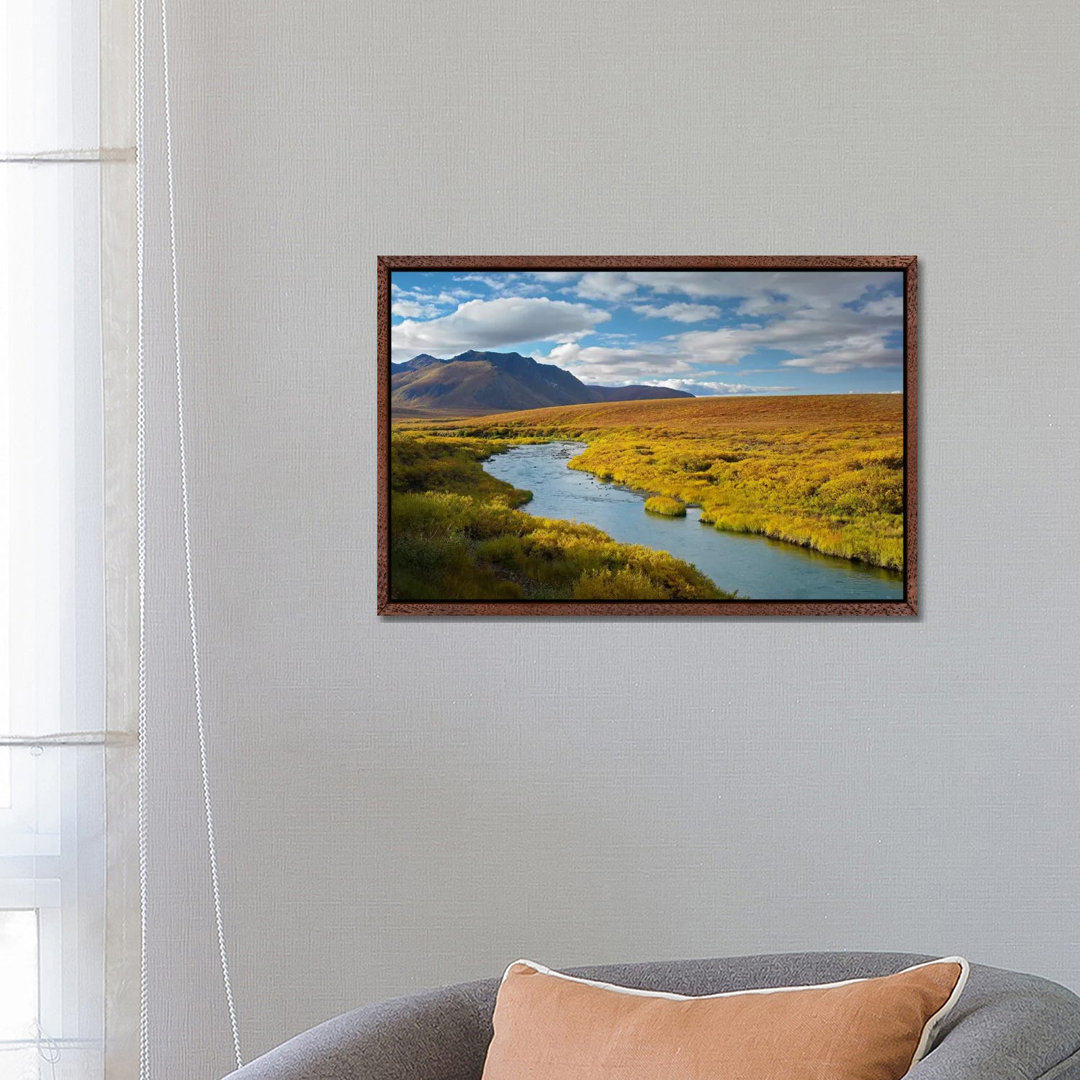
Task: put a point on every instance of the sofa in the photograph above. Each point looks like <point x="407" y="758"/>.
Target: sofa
<point x="1006" y="1026"/>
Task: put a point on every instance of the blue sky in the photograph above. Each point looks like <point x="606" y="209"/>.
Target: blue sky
<point x="707" y="331"/>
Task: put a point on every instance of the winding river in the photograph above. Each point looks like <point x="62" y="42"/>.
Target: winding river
<point x="757" y="567"/>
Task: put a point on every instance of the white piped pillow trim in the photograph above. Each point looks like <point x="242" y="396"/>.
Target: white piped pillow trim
<point x="929" y="1028"/>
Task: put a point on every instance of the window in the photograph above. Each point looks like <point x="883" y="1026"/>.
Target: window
<point x="52" y="577"/>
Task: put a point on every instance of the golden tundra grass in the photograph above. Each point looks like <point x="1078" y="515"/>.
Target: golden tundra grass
<point x="823" y="471"/>
<point x="456" y="534"/>
<point x="665" y="506"/>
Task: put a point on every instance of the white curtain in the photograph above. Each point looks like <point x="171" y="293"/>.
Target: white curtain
<point x="62" y="203"/>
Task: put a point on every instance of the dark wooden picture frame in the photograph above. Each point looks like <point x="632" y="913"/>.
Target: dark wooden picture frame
<point x="904" y="604"/>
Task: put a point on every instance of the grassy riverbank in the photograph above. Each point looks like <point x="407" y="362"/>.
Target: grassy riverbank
<point x="825" y="472"/>
<point x="456" y="534"/>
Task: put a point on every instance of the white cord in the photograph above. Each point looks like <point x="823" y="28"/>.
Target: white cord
<point x="207" y="803"/>
<point x="140" y="454"/>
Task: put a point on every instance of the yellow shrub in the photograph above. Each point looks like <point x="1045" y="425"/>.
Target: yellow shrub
<point x="471" y="544"/>
<point x="661" y="504"/>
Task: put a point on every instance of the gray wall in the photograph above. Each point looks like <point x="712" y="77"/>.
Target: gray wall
<point x="406" y="803"/>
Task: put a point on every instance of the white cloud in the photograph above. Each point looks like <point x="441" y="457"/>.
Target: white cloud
<point x="606" y="285"/>
<point x="761" y="307"/>
<point x="410" y="309"/>
<point x="814" y="316"/>
<point x="679" y="312"/>
<point x="494" y="280"/>
<point x="419" y="296"/>
<point x="701" y="388"/>
<point x="826" y="340"/>
<point x="595" y="363"/>
<point x="761" y="288"/>
<point x="758" y="292"/>
<point x="554" y="275"/>
<point x="856" y="352"/>
<point x="494" y="324"/>
<point x="885" y="306"/>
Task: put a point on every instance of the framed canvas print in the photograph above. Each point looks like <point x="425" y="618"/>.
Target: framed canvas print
<point x="647" y="435"/>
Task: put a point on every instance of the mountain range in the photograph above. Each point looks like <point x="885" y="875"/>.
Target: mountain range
<point x="474" y="383"/>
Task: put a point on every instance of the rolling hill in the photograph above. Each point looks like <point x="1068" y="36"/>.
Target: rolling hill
<point x="477" y="383"/>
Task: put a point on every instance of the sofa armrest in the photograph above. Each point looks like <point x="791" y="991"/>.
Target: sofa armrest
<point x="1007" y="1026"/>
<point x="441" y="1034"/>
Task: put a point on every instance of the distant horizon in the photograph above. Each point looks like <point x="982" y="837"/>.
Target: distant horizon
<point x="757" y="333"/>
<point x="763" y="392"/>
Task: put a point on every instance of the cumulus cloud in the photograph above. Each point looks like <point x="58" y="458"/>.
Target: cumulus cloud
<point x="679" y="312"/>
<point x="494" y="324"/>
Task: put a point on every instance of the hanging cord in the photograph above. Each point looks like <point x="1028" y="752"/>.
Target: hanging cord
<point x="207" y="802"/>
<point x="140" y="455"/>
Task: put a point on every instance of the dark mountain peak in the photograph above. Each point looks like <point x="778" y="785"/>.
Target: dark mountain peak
<point x="418" y="361"/>
<point x="476" y="382"/>
<point x="504" y="361"/>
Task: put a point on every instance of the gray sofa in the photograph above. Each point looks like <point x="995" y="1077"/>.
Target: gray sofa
<point x="1005" y="1026"/>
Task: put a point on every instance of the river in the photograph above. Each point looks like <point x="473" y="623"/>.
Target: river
<point x="756" y="567"/>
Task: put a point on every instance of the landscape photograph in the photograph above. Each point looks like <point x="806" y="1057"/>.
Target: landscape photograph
<point x="617" y="435"/>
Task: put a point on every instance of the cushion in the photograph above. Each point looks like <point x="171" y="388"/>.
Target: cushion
<point x="551" y="1026"/>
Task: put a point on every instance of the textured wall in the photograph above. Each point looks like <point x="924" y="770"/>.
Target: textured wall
<point x="414" y="802"/>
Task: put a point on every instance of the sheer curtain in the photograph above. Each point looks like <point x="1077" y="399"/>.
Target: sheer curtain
<point x="63" y="206"/>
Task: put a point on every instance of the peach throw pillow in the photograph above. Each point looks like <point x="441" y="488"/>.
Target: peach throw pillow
<point x="550" y="1026"/>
